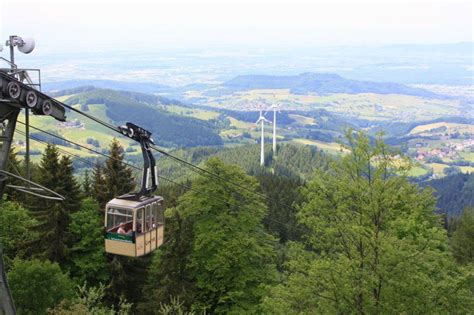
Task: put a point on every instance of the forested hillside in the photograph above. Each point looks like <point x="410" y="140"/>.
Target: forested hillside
<point x="354" y="235"/>
<point x="168" y="129"/>
<point x="292" y="160"/>
<point x="454" y="193"/>
<point x="322" y="83"/>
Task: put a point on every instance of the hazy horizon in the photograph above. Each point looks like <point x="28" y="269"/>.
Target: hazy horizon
<point x="178" y="42"/>
<point x="126" y="25"/>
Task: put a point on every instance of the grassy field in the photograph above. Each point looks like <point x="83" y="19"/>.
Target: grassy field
<point x="467" y="169"/>
<point x="241" y="124"/>
<point x="365" y="105"/>
<point x="302" y="120"/>
<point x="443" y="128"/>
<point x="437" y="168"/>
<point x="89" y="130"/>
<point x="329" y="147"/>
<point x="468" y="156"/>
<point x="196" y="113"/>
<point x="417" y="171"/>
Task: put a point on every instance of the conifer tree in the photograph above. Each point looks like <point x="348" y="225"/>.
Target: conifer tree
<point x="14" y="166"/>
<point x="462" y="241"/>
<point x="87" y="185"/>
<point x="127" y="275"/>
<point x="99" y="188"/>
<point x="68" y="186"/>
<point x="119" y="178"/>
<point x="47" y="212"/>
<point x="54" y="216"/>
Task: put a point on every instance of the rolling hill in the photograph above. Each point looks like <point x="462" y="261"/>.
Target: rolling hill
<point x="322" y="83"/>
<point x="168" y="129"/>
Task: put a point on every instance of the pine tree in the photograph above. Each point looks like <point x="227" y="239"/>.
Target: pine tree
<point x="462" y="241"/>
<point x="119" y="178"/>
<point x="49" y="167"/>
<point x="14" y="166"/>
<point x="127" y="275"/>
<point x="54" y="216"/>
<point x="99" y="188"/>
<point x="87" y="185"/>
<point x="283" y="198"/>
<point x="67" y="186"/>
<point x="47" y="212"/>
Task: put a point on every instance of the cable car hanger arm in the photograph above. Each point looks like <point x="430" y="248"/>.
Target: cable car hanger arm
<point x="149" y="181"/>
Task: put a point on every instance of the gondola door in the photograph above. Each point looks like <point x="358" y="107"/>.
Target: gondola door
<point x="153" y="231"/>
<point x="139" y="235"/>
<point x="148" y="228"/>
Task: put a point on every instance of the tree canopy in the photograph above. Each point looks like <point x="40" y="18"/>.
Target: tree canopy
<point x="373" y="244"/>
<point x="357" y="238"/>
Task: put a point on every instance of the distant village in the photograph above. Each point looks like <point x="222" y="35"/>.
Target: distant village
<point x="450" y="150"/>
<point x="72" y="124"/>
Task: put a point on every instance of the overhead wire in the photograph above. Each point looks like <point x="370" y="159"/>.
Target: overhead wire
<point x="190" y="166"/>
<point x="188" y="187"/>
<point x="196" y="168"/>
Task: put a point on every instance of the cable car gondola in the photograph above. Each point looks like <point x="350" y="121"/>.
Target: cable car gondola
<point x="135" y="222"/>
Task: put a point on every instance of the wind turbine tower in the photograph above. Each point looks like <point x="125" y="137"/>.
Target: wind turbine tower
<point x="262" y="121"/>
<point x="274" y="107"/>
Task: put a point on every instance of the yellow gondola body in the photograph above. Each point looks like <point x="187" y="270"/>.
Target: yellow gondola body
<point x="142" y="221"/>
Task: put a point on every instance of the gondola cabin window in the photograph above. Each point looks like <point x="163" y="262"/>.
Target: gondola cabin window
<point x="134" y="227"/>
<point x="116" y="216"/>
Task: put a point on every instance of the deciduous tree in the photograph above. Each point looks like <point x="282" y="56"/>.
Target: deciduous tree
<point x="38" y="285"/>
<point x="16" y="231"/>
<point x="374" y="244"/>
<point x="231" y="257"/>
<point x="88" y="260"/>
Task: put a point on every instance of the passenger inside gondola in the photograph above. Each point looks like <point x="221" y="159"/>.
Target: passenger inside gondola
<point x="121" y="229"/>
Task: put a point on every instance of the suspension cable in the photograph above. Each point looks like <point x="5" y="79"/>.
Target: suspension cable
<point x="190" y="166"/>
<point x="176" y="159"/>
<point x="188" y="187"/>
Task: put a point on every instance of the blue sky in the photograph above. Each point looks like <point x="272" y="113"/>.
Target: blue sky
<point x="85" y="25"/>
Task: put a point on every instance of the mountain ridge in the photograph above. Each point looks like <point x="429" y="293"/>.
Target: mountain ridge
<point x="303" y="83"/>
<point x="322" y="83"/>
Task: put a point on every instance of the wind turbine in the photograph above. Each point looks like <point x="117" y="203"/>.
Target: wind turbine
<point x="262" y="121"/>
<point x="274" y="107"/>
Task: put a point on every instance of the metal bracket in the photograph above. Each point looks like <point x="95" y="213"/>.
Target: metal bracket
<point x="31" y="189"/>
<point x="149" y="181"/>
